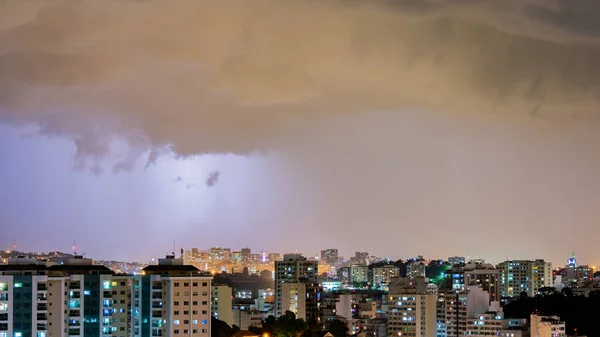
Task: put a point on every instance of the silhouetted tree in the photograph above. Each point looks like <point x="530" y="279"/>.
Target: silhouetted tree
<point x="222" y="329"/>
<point x="287" y="325"/>
<point x="578" y="312"/>
<point x="338" y="328"/>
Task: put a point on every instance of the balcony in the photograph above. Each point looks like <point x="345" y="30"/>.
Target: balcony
<point x="42" y="307"/>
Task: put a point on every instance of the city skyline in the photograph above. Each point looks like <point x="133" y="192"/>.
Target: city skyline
<point x="440" y="127"/>
<point x="317" y="256"/>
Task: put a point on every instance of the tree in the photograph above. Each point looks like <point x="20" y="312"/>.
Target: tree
<point x="287" y="325"/>
<point x="221" y="329"/>
<point x="338" y="328"/>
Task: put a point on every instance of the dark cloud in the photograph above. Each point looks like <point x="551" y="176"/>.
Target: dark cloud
<point x="212" y="179"/>
<point x="178" y="75"/>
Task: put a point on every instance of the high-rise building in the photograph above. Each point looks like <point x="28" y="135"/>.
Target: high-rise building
<point x="415" y="269"/>
<point x="359" y="273"/>
<point x="221" y="302"/>
<point x="361" y="258"/>
<point x="329" y="256"/>
<point x="464" y="307"/>
<point x="75" y="298"/>
<point x="473" y="274"/>
<point x="411" y="309"/>
<point x="295" y="268"/>
<point x="171" y="299"/>
<point x="383" y="275"/>
<point x="246" y="255"/>
<point x="524" y="276"/>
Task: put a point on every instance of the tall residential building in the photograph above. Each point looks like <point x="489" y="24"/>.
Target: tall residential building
<point x="527" y="276"/>
<point x="245" y="255"/>
<point x="76" y="298"/>
<point x="359" y="273"/>
<point x="383" y="275"/>
<point x="24" y="299"/>
<point x="329" y="256"/>
<point x="301" y="299"/>
<point x="221" y="303"/>
<point x="171" y="300"/>
<point x="361" y="258"/>
<point x="473" y="274"/>
<point x="411" y="309"/>
<point x="415" y="269"/>
<point x="295" y="268"/>
<point x="468" y="311"/>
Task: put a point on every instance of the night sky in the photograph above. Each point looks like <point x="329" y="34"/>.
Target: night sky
<point x="403" y="128"/>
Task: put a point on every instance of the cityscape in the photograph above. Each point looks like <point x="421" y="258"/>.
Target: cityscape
<point x="218" y="291"/>
<point x="299" y="168"/>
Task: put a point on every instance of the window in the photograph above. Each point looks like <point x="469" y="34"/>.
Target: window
<point x="176" y="293"/>
<point x="176" y="303"/>
<point x="204" y="303"/>
<point x="186" y="321"/>
<point x="176" y="322"/>
<point x="204" y="312"/>
<point x="18" y="285"/>
<point x="204" y="284"/>
<point x="176" y="332"/>
<point x="195" y="293"/>
<point x="186" y="294"/>
<point x="186" y="312"/>
<point x="204" y="321"/>
<point x="186" y="331"/>
<point x="186" y="303"/>
<point x="194" y="312"/>
<point x="194" y="321"/>
<point x="176" y="312"/>
<point x="194" y="330"/>
<point x="195" y="284"/>
<point x="176" y="284"/>
<point x="204" y="293"/>
<point x="203" y="330"/>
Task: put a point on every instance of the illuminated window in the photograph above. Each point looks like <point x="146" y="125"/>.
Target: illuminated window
<point x="195" y="321"/>
<point x="18" y="285"/>
<point x="204" y="321"/>
<point x="176" y="322"/>
<point x="106" y="285"/>
<point x="3" y="286"/>
<point x="86" y="293"/>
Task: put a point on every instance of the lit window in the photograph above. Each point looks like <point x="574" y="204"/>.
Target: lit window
<point x="194" y="321"/>
<point x="204" y="321"/>
<point x="176" y="322"/>
<point x="18" y="285"/>
<point x="106" y="284"/>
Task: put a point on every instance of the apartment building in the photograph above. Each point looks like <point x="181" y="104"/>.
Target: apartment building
<point x="411" y="309"/>
<point x="295" y="268"/>
<point x="171" y="299"/>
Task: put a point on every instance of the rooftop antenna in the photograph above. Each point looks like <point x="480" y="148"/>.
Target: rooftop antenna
<point x="74" y="247"/>
<point x="14" y="244"/>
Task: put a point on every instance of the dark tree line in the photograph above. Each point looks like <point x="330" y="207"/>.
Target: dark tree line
<point x="578" y="312"/>
<point x="287" y="325"/>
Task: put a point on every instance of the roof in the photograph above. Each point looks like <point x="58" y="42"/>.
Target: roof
<point x="172" y="270"/>
<point x="244" y="333"/>
<point x="81" y="269"/>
